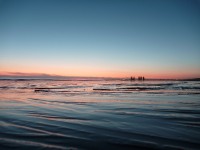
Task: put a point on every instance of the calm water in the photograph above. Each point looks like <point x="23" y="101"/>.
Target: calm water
<point x="44" y="114"/>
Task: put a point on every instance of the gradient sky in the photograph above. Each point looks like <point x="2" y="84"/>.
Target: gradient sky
<point x="111" y="38"/>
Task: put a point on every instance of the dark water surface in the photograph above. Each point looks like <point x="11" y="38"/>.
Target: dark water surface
<point x="46" y="114"/>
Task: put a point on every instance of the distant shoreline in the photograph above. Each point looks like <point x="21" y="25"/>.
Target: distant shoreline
<point x="88" y="79"/>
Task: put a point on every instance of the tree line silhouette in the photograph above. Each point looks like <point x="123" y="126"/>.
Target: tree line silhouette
<point x="141" y="78"/>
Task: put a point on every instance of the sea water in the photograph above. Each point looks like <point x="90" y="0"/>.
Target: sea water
<point x="99" y="114"/>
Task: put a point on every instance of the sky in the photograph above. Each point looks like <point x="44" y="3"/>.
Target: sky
<point x="100" y="38"/>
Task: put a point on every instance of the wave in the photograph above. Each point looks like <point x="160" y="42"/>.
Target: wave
<point x="53" y="128"/>
<point x="99" y="115"/>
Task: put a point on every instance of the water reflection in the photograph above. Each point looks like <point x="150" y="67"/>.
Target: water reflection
<point x="121" y="117"/>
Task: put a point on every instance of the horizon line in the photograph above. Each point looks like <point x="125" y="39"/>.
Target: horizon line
<point x="23" y="75"/>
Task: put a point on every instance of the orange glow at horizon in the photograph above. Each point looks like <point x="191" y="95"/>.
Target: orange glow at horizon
<point x="98" y="72"/>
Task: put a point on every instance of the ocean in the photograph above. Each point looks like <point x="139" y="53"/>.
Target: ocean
<point x="99" y="114"/>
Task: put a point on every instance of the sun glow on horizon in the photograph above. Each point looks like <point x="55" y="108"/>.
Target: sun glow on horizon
<point x="101" y="73"/>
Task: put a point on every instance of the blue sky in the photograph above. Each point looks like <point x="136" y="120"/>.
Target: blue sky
<point x="101" y="38"/>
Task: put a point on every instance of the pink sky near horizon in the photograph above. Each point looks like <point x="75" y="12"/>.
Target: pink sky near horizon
<point x="101" y="72"/>
<point x="100" y="69"/>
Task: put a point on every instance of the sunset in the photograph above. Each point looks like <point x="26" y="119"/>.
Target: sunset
<point x="159" y="39"/>
<point x="99" y="74"/>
